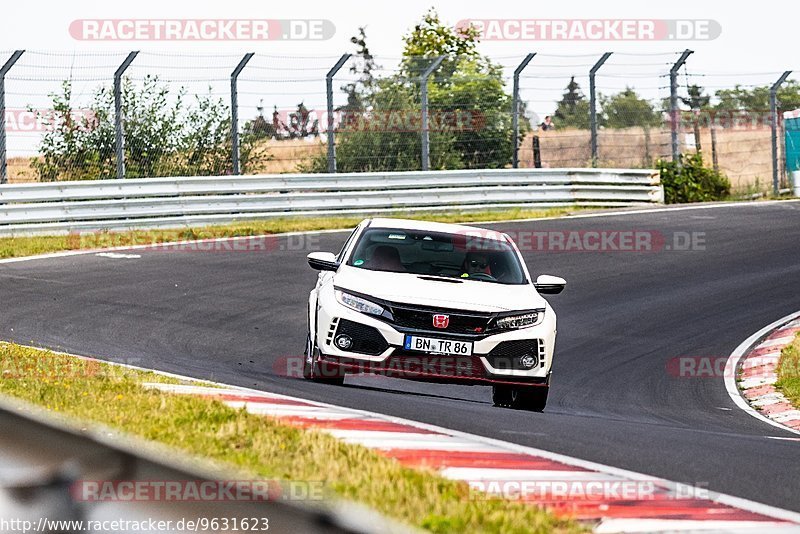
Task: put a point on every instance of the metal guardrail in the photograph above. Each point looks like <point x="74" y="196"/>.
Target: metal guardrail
<point x="61" y="207"/>
<point x="45" y="459"/>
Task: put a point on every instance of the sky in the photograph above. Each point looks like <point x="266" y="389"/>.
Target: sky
<point x="753" y="47"/>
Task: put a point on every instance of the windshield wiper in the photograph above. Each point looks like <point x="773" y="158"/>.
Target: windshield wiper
<point x="440" y="279"/>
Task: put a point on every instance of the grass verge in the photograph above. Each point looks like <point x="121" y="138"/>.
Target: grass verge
<point x="789" y="371"/>
<point x="114" y="396"/>
<point x="12" y="247"/>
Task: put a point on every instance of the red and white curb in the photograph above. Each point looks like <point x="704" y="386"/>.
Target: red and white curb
<point x="751" y="374"/>
<point x="609" y="499"/>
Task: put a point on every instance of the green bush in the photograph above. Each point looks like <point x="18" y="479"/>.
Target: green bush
<point x="691" y="181"/>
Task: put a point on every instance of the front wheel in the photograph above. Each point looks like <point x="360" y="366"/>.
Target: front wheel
<point x="318" y="371"/>
<point x="532" y="399"/>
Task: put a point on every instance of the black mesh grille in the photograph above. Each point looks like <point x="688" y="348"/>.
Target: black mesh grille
<point x="403" y="361"/>
<point x="422" y="319"/>
<point x="506" y="354"/>
<point x="366" y="339"/>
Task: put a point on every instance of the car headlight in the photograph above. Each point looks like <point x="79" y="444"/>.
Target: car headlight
<point x="523" y="320"/>
<point x="358" y="304"/>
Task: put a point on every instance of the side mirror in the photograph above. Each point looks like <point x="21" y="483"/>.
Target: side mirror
<point x="323" y="261"/>
<point x="549" y="285"/>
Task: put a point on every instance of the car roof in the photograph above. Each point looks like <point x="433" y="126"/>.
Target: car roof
<point x="409" y="224"/>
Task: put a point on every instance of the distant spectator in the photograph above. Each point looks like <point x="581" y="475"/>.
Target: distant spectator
<point x="547" y="124"/>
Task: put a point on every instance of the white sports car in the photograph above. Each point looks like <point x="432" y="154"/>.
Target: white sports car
<point x="434" y="302"/>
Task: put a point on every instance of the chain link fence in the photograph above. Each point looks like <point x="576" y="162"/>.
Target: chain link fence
<point x="73" y="116"/>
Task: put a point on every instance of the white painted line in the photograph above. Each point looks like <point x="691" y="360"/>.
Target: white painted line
<point x="489" y="474"/>
<point x="732" y="365"/>
<point x="372" y="436"/>
<point x="777" y="342"/>
<point x="608" y="526"/>
<point x="785" y="417"/>
<point x="422" y="444"/>
<point x="118" y="256"/>
<point x="766" y="380"/>
<point x="768" y="399"/>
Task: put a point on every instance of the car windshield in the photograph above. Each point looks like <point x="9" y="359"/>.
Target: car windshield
<point x="461" y="256"/>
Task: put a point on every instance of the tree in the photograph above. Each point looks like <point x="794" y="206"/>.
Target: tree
<point x="260" y="127"/>
<point x="469" y="109"/>
<point x="626" y="110"/>
<point x="573" y="109"/>
<point x="164" y="136"/>
<point x="430" y="38"/>
<point x="757" y="98"/>
<point x="362" y="66"/>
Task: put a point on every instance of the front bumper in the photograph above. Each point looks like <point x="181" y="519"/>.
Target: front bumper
<point x="494" y="360"/>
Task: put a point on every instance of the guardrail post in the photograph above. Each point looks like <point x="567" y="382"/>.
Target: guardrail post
<point x="235" y="111"/>
<point x="515" y="108"/>
<point x="329" y="97"/>
<point x="426" y="157"/>
<point x="673" y="103"/>
<point x="773" y="110"/>
<point x="593" y="104"/>
<point x="3" y="71"/>
<point x="119" y="139"/>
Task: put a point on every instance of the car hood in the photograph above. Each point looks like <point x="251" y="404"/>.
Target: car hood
<point x="409" y="288"/>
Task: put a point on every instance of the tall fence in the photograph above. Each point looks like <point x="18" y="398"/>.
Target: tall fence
<point x="113" y="115"/>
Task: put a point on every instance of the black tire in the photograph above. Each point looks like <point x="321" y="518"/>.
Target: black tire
<point x="532" y="399"/>
<point x="318" y="371"/>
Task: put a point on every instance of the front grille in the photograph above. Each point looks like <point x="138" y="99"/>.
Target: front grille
<point x="421" y="318"/>
<point x="366" y="339"/>
<point x="506" y="354"/>
<point x="403" y="361"/>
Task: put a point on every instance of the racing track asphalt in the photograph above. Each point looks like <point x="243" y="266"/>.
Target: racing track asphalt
<point x="234" y="317"/>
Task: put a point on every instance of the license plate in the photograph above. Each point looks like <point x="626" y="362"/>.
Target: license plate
<point x="438" y="346"/>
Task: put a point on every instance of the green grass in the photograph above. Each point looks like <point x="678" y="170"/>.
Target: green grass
<point x="12" y="247"/>
<point x="789" y="371"/>
<point x="114" y="396"/>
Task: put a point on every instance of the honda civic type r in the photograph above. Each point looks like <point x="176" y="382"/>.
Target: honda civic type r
<point x="434" y="302"/>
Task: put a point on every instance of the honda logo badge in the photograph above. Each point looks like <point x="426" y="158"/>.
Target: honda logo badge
<point x="441" y="321"/>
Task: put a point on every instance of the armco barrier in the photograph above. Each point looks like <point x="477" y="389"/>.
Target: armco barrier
<point x="61" y="207"/>
<point x="46" y="460"/>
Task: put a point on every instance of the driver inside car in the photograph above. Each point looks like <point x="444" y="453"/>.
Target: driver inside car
<point x="476" y="263"/>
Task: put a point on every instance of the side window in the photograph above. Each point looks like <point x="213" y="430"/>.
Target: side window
<point x="340" y="256"/>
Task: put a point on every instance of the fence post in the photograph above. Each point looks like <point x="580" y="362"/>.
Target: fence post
<point x="537" y="153"/>
<point x="593" y="105"/>
<point x="235" y="111"/>
<point x="3" y="71"/>
<point x="515" y="108"/>
<point x="773" y="110"/>
<point x="426" y="157"/>
<point x="119" y="138"/>
<point x="674" y="120"/>
<point x="714" y="155"/>
<point x="329" y="96"/>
